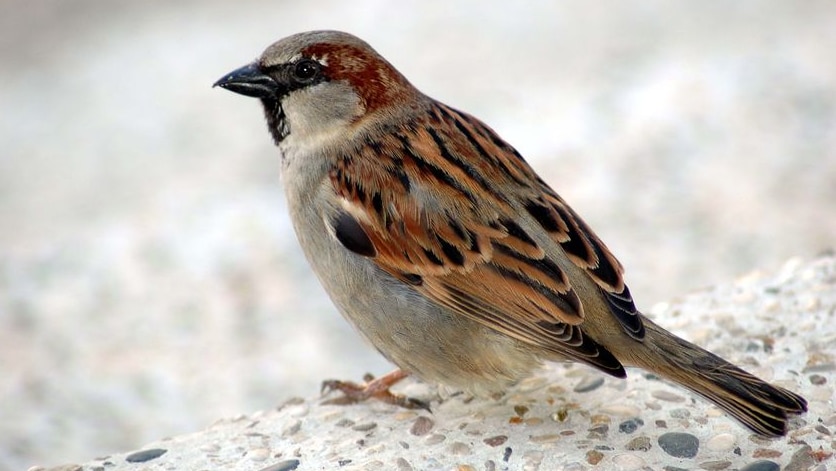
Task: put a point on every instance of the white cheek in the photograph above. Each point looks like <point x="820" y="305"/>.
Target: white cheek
<point x="316" y="114"/>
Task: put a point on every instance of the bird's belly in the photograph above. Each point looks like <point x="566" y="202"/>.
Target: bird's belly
<point x="408" y="329"/>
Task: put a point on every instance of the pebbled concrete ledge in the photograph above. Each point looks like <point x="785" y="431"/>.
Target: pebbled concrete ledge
<point x="781" y="326"/>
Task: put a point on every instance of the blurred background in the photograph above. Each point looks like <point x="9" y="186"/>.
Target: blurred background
<point x="150" y="281"/>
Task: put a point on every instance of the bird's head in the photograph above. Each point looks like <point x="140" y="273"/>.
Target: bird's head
<point x="318" y="83"/>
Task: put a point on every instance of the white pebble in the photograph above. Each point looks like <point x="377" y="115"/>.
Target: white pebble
<point x="628" y="462"/>
<point x="721" y="442"/>
<point x="621" y="410"/>
<point x="259" y="454"/>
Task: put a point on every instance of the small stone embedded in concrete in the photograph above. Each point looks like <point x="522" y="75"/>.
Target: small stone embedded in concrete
<point x="405" y="415"/>
<point x="628" y="462"/>
<point x="64" y="467"/>
<point x="822" y="429"/>
<point x="365" y="427"/>
<point x="721" y="442"/>
<point x="630" y="425"/>
<point x="818" y="379"/>
<point x="143" y="456"/>
<point x="532" y="458"/>
<point x="589" y="383"/>
<point x="594" y="457"/>
<point x="802" y="460"/>
<point x="458" y="448"/>
<point x="292" y="428"/>
<point x="259" y="454"/>
<point x="679" y="444"/>
<point x="435" y="439"/>
<point x="421" y="426"/>
<point x="598" y="431"/>
<point x="766" y="453"/>
<point x="286" y="465"/>
<point x="600" y="419"/>
<point x="506" y="455"/>
<point x="680" y="413"/>
<point x="496" y="440"/>
<point x="344" y="423"/>
<point x="761" y="465"/>
<point x="621" y="410"/>
<point x="403" y="464"/>
<point x="560" y="415"/>
<point x="667" y="396"/>
<point x="715" y="465"/>
<point x="547" y="438"/>
<point x="641" y="443"/>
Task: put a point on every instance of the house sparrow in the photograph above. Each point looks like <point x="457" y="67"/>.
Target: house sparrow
<point x="443" y="247"/>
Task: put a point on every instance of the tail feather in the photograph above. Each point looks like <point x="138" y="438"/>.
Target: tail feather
<point x="763" y="408"/>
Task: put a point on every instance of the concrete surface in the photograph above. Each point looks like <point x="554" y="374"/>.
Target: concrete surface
<point x="782" y="326"/>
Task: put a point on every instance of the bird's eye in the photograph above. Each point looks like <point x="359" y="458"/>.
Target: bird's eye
<point x="306" y="70"/>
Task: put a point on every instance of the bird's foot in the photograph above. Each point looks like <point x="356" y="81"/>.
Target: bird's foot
<point x="378" y="388"/>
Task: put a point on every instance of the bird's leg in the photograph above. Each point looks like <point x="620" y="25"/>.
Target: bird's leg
<point x="372" y="388"/>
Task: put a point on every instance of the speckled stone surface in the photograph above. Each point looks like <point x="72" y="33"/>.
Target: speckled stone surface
<point x="781" y="326"/>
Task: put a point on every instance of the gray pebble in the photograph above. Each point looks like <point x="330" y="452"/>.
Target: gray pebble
<point x="589" y="383"/>
<point x="403" y="465"/>
<point x="680" y="413"/>
<point x="801" y="460"/>
<point x="364" y="427"/>
<point x="286" y="465"/>
<point x="458" y="448"/>
<point x="761" y="465"/>
<point x="292" y="428"/>
<point x="630" y="425"/>
<point x="679" y="445"/>
<point x="817" y="379"/>
<point x="145" y="455"/>
<point x="435" y="439"/>
<point x="639" y="444"/>
<point x="716" y="465"/>
<point x="667" y="396"/>
<point x="421" y="426"/>
<point x="598" y="431"/>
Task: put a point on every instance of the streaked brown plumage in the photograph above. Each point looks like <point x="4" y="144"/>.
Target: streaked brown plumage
<point x="445" y="249"/>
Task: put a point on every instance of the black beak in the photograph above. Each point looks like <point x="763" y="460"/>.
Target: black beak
<point x="249" y="81"/>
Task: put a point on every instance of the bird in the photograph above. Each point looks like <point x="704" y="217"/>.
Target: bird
<point x="441" y="245"/>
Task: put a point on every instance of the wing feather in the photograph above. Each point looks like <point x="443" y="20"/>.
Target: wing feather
<point x="449" y="229"/>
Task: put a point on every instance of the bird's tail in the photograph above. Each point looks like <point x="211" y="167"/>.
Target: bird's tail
<point x="755" y="403"/>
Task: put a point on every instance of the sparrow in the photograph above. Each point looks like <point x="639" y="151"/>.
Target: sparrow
<point x="444" y="248"/>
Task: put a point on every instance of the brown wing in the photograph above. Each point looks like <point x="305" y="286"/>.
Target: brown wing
<point x="466" y="253"/>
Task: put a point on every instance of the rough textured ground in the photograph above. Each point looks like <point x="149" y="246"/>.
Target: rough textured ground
<point x="781" y="326"/>
<point x="149" y="279"/>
